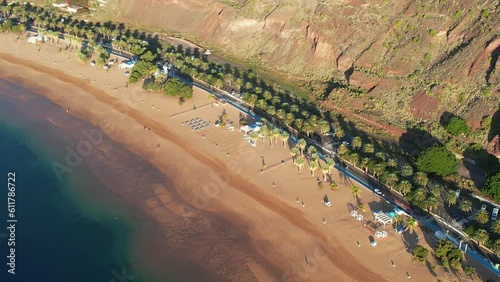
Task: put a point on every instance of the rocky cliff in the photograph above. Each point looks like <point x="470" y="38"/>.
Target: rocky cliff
<point x="402" y="61"/>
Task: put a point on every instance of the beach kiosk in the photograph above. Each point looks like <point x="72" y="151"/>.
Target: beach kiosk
<point x="382" y="217"/>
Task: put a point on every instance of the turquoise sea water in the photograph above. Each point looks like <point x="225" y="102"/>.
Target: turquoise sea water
<point x="62" y="234"/>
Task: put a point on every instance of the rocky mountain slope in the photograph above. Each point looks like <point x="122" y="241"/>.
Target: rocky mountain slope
<point x="400" y="61"/>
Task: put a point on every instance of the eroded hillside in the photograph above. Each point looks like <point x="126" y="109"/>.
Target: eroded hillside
<point x="401" y="61"/>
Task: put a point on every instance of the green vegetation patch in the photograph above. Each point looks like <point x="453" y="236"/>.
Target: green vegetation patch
<point x="437" y="160"/>
<point x="175" y="87"/>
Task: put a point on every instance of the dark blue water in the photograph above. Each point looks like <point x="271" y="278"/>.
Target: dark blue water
<point x="60" y="235"/>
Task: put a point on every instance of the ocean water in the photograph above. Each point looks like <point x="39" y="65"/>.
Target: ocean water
<point x="74" y="230"/>
<point x="61" y="234"/>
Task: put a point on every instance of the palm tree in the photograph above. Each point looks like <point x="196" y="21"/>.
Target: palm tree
<point x="436" y="191"/>
<point x="421" y="178"/>
<point x="339" y="133"/>
<point x="410" y="225"/>
<point x="211" y="98"/>
<point x="431" y="203"/>
<point x="368" y="148"/>
<point x="451" y="197"/>
<point x="308" y="128"/>
<point x="271" y="134"/>
<point x="294" y="152"/>
<point x="311" y="151"/>
<point x="481" y="216"/>
<point x="254" y="136"/>
<point x="355" y="191"/>
<point x="364" y="164"/>
<point x="284" y="137"/>
<point x="294" y="109"/>
<point x="378" y="169"/>
<point x="354" y="159"/>
<point x="362" y="207"/>
<point x="397" y="219"/>
<point x="466" y="206"/>
<point x="391" y="180"/>
<point x="342" y="150"/>
<point x="299" y="162"/>
<point x="406" y="171"/>
<point x="302" y="144"/>
<point x="333" y="186"/>
<point x="419" y="195"/>
<point x="404" y="187"/>
<point x="324" y="169"/>
<point x="264" y="132"/>
<point x="481" y="236"/>
<point x="313" y="166"/>
<point x="496" y="246"/>
<point x="356" y="143"/>
<point x="323" y="126"/>
<point x="331" y="163"/>
<point x="495" y="227"/>
<point x="276" y="134"/>
<point x="392" y="163"/>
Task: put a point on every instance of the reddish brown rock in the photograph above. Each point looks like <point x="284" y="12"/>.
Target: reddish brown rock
<point x="494" y="146"/>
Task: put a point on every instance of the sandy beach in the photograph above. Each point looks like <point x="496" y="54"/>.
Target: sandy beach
<point x="205" y="188"/>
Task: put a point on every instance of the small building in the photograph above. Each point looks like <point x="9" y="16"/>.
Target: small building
<point x="127" y="64"/>
<point x="382" y="217"/>
<point x="59" y="5"/>
<point x="35" y="39"/>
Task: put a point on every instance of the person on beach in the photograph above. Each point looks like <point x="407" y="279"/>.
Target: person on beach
<point x="158" y="147"/>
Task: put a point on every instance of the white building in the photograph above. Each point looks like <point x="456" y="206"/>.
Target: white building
<point x="63" y="5"/>
<point x="73" y="8"/>
<point x="35" y="39"/>
<point x="127" y="64"/>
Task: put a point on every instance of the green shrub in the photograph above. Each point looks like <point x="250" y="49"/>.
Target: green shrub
<point x="437" y="160"/>
<point x="492" y="186"/>
<point x="432" y="32"/>
<point x="175" y="87"/>
<point x="456" y="126"/>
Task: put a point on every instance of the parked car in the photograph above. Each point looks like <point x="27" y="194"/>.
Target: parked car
<point x="483" y="207"/>
<point x="494" y="214"/>
<point x="92" y="63"/>
<point x="127" y="73"/>
<point x="372" y="241"/>
<point x="378" y="192"/>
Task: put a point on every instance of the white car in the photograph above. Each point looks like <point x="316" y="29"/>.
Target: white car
<point x="483" y="207"/>
<point x="378" y="192"/>
<point x="127" y="73"/>
<point x="494" y="214"/>
<point x="92" y="63"/>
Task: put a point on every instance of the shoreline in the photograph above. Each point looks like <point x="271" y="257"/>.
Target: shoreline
<point x="93" y="190"/>
<point x="228" y="187"/>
